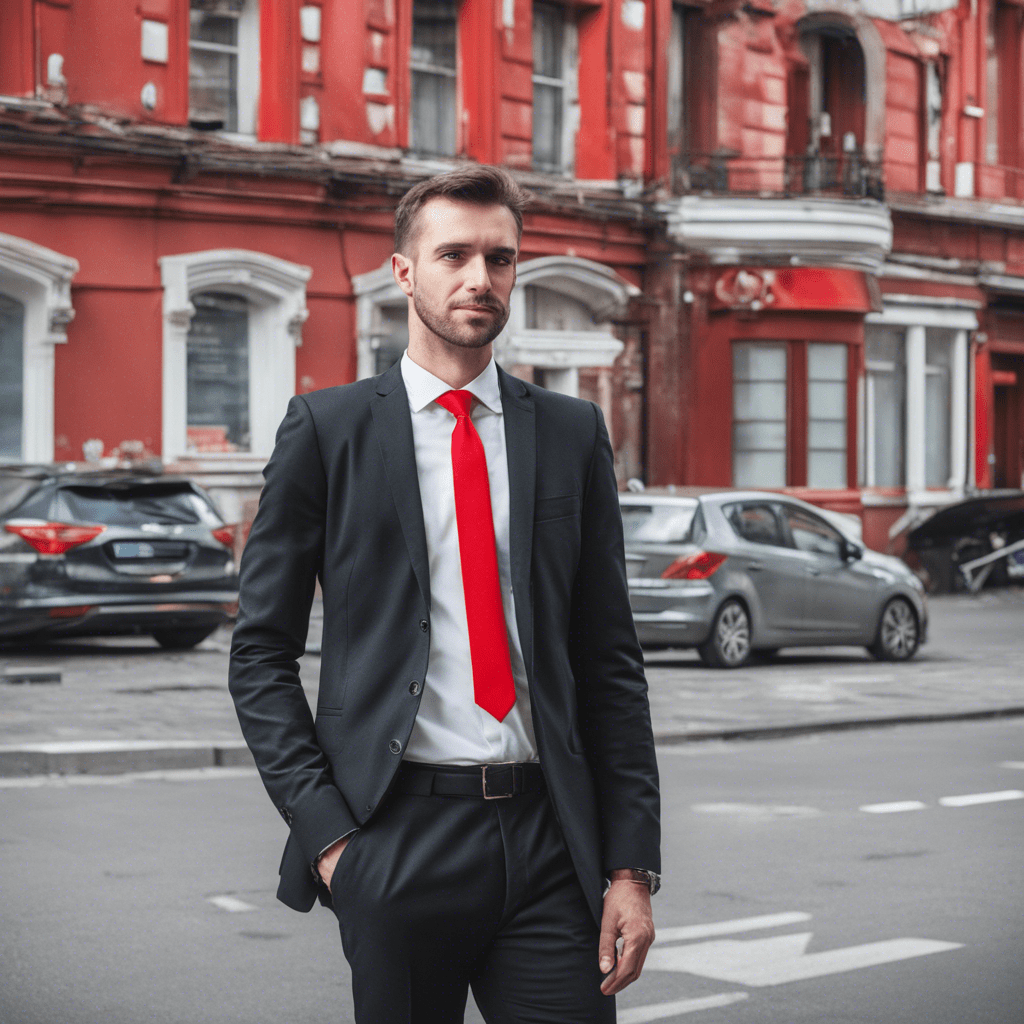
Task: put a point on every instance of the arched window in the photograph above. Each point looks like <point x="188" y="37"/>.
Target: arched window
<point x="232" y="320"/>
<point x="35" y="309"/>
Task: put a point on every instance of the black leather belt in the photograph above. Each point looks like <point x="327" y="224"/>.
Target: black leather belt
<point x="484" y="781"/>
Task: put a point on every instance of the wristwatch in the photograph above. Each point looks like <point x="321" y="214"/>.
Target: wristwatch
<point x="649" y="878"/>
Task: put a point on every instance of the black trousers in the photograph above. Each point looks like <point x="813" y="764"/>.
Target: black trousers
<point x="438" y="893"/>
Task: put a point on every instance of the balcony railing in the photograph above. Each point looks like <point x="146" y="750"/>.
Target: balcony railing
<point x="848" y="175"/>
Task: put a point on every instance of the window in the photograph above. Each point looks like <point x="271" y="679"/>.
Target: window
<point x="812" y="534"/>
<point x="12" y="347"/>
<point x="432" y="112"/>
<point x="677" y="91"/>
<point x="756" y="523"/>
<point x="884" y="408"/>
<point x="759" y="373"/>
<point x="553" y="81"/>
<point x="937" y="398"/>
<point x="217" y="373"/>
<point x="826" y="416"/>
<point x="658" y="524"/>
<point x="390" y="336"/>
<point x="223" y="65"/>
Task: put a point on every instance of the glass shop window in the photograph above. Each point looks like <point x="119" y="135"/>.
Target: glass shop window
<point x="217" y="368"/>
<point x="759" y="432"/>
<point x="12" y="341"/>
<point x="826" y="415"/>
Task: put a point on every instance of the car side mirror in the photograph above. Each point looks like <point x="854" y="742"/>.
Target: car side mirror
<point x="852" y="551"/>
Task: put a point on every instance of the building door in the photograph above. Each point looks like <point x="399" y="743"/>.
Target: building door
<point x="12" y="331"/>
<point x="1008" y="420"/>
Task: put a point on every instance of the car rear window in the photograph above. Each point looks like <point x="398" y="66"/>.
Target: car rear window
<point x="658" y="524"/>
<point x="168" y="505"/>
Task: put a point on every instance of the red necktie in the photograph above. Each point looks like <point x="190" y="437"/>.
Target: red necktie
<point x="493" y="687"/>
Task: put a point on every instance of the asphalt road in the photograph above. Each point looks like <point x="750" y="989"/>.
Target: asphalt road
<point x="113" y="890"/>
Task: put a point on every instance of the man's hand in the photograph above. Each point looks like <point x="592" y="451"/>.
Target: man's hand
<point x="329" y="859"/>
<point x="627" y="913"/>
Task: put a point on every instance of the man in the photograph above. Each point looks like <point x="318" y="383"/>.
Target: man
<point x="481" y="761"/>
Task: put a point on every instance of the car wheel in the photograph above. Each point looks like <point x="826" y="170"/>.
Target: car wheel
<point x="728" y="646"/>
<point x="182" y="639"/>
<point x="898" y="634"/>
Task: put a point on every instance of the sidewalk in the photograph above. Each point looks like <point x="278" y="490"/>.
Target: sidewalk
<point x="123" y="705"/>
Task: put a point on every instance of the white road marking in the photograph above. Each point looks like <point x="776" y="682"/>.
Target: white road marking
<point x="165" y="775"/>
<point x="1012" y="764"/>
<point x="981" y="798"/>
<point x="740" y="924"/>
<point x="894" y="808"/>
<point x="782" y="959"/>
<point x="757" y="811"/>
<point x="659" y="1011"/>
<point x="231" y="904"/>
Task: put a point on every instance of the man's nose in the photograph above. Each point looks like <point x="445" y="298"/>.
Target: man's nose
<point x="478" y="278"/>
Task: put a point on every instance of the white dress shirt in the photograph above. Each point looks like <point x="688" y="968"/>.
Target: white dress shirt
<point x="450" y="727"/>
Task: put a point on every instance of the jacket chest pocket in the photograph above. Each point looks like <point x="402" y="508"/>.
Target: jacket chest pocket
<point x="563" y="506"/>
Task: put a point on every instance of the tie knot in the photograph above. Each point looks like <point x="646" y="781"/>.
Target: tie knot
<point x="458" y="403"/>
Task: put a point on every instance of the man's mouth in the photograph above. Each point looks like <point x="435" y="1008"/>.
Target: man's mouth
<point x="479" y="309"/>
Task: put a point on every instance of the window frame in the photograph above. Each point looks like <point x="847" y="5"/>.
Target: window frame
<point x="797" y="418"/>
<point x="247" y="71"/>
<point x="455" y="74"/>
<point x="569" y="85"/>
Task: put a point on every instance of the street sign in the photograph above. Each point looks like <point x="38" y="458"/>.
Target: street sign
<point x="783" y="958"/>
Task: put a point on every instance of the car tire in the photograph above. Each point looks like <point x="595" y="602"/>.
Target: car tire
<point x="182" y="639"/>
<point x="765" y="654"/>
<point x="728" y="645"/>
<point x="899" y="633"/>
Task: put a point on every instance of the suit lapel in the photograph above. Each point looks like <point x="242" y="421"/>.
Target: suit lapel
<point x="393" y="423"/>
<point x="521" y="452"/>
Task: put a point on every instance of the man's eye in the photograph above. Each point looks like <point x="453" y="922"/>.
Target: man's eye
<point x="451" y="255"/>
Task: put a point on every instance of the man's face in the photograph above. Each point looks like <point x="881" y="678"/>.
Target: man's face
<point x="460" y="270"/>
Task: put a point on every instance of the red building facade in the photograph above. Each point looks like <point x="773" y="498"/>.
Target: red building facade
<point x="781" y="242"/>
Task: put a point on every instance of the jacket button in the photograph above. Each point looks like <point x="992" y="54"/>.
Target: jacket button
<point x="395" y="747"/>
<point x="424" y="625"/>
<point x="414" y="687"/>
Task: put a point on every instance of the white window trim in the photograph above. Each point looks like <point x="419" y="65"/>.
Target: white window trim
<point x="276" y="292"/>
<point x="916" y="319"/>
<point x="40" y="279"/>
<point x="598" y="287"/>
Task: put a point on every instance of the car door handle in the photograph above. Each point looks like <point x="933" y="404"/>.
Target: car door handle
<point x="812" y="571"/>
<point x="755" y="566"/>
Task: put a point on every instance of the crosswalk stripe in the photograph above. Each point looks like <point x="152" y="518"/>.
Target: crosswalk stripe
<point x="659" y="1011"/>
<point x="741" y="924"/>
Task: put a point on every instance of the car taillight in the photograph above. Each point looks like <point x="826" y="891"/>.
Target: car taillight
<point x="54" y="538"/>
<point x="698" y="566"/>
<point x="225" y="535"/>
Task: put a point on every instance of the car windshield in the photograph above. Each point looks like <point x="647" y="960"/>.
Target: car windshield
<point x="658" y="524"/>
<point x="174" y="504"/>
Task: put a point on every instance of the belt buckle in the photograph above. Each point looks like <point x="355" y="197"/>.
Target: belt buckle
<point x="483" y="779"/>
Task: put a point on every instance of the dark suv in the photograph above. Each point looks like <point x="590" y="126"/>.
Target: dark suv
<point x="114" y="552"/>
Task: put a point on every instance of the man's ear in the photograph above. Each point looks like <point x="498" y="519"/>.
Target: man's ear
<point x="401" y="267"/>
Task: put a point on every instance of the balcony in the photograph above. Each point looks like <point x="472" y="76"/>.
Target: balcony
<point x="794" y="211"/>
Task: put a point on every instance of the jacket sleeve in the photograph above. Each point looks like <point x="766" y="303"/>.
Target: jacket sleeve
<point x="614" y="713"/>
<point x="277" y="579"/>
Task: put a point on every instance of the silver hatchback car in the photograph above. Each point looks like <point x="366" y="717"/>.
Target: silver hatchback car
<point x="746" y="572"/>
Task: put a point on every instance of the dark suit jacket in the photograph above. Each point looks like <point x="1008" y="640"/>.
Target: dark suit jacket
<point x="341" y="501"/>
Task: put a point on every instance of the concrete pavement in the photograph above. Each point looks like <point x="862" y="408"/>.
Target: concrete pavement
<point x="125" y="705"/>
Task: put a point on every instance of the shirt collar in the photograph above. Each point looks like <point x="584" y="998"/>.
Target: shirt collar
<point x="423" y="387"/>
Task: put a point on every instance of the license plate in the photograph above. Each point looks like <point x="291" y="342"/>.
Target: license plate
<point x="131" y="549"/>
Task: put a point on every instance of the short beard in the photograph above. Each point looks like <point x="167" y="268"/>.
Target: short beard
<point x="459" y="335"/>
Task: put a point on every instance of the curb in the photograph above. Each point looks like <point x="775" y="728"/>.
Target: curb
<point x="779" y="732"/>
<point x="118" y="757"/>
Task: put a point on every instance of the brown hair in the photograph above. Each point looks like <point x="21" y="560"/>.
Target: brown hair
<point x="475" y="183"/>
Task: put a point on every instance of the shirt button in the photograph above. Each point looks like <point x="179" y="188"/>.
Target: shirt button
<point x="424" y="625"/>
<point x="414" y="687"/>
<point x="395" y="747"/>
